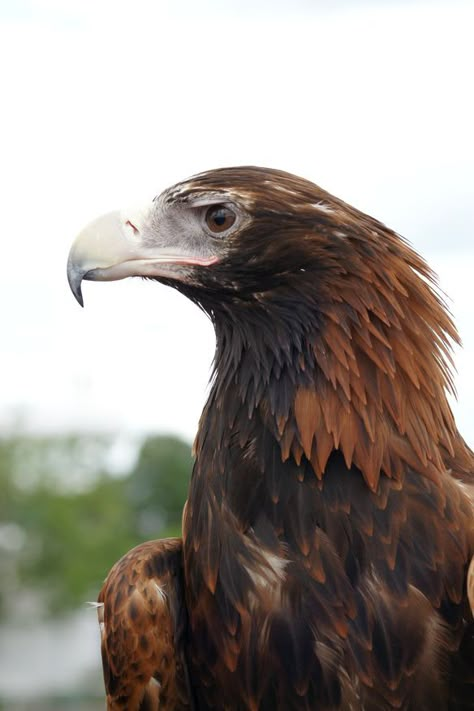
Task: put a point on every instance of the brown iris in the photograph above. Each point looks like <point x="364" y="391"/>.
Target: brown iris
<point x="219" y="218"/>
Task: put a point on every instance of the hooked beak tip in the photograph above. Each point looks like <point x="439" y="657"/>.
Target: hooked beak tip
<point x="75" y="277"/>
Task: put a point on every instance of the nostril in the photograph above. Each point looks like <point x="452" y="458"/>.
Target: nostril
<point x="136" y="231"/>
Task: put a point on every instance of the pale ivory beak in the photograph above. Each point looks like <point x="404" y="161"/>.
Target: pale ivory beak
<point x="112" y="247"/>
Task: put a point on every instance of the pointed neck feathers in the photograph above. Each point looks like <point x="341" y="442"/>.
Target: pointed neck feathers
<point x="357" y="361"/>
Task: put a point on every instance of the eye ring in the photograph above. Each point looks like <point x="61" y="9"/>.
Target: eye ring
<point x="220" y="218"/>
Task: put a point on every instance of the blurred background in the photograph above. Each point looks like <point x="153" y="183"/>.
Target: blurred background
<point x="104" y="104"/>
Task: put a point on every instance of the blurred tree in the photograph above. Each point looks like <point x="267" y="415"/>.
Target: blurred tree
<point x="65" y="519"/>
<point x="72" y="540"/>
<point x="158" y="485"/>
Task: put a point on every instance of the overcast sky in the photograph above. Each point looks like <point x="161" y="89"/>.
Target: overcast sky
<point x="106" y="103"/>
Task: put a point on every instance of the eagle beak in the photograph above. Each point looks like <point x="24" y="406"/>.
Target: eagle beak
<point x="101" y="246"/>
<point x="113" y="247"/>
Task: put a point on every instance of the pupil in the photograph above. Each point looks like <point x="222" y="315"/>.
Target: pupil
<point x="220" y="217"/>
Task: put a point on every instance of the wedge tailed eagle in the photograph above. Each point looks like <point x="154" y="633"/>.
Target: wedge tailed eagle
<point x="329" y="526"/>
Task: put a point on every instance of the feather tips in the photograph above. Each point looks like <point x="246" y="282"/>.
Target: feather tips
<point x="379" y="379"/>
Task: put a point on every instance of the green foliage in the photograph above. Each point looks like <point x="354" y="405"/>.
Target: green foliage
<point x="159" y="484"/>
<point x="65" y="518"/>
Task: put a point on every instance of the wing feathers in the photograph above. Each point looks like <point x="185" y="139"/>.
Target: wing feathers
<point x="142" y="620"/>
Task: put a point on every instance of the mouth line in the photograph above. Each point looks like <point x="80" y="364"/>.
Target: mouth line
<point x="100" y="273"/>
<point x="145" y="267"/>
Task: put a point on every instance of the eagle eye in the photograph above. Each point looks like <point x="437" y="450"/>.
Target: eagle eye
<point x="220" y="218"/>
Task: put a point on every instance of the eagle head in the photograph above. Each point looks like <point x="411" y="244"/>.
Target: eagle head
<point x="305" y="291"/>
<point x="240" y="235"/>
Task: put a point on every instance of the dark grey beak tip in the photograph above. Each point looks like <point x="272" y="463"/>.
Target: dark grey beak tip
<point x="78" y="295"/>
<point x="75" y="277"/>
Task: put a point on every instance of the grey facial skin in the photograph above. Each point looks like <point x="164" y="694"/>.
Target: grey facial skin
<point x="165" y="239"/>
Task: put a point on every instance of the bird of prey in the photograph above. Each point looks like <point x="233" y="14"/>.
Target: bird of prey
<point x="329" y="526"/>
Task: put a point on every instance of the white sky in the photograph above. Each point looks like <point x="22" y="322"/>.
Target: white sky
<point x="106" y="103"/>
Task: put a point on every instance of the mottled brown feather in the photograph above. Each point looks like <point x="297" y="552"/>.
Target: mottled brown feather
<point x="142" y="619"/>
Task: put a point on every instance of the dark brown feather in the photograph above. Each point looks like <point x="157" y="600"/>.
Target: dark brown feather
<point x="333" y="356"/>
